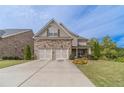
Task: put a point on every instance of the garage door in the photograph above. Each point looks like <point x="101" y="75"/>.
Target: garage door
<point x="61" y="54"/>
<point x="45" y="54"/>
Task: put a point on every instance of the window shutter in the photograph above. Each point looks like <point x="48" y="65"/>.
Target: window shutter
<point x="58" y="32"/>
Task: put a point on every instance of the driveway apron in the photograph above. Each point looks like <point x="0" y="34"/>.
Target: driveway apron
<point x="15" y="75"/>
<point x="59" y="74"/>
<point x="44" y="74"/>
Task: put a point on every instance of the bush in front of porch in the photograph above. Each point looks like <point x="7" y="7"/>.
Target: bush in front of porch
<point x="83" y="60"/>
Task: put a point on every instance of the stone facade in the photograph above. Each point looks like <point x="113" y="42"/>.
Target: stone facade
<point x="56" y="43"/>
<point x="51" y="44"/>
<point x="14" y="45"/>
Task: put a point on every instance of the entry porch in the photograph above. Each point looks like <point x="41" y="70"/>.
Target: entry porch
<point x="81" y="51"/>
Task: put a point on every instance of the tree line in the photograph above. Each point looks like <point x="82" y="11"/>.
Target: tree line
<point x="106" y="49"/>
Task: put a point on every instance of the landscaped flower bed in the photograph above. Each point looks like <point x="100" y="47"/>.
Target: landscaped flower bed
<point x="80" y="61"/>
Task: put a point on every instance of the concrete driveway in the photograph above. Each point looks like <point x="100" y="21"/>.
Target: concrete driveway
<point x="44" y="73"/>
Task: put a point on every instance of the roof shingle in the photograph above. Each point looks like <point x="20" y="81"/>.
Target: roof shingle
<point x="9" y="32"/>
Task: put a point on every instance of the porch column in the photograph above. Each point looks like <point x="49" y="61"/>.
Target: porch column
<point x="89" y="51"/>
<point x="76" y="52"/>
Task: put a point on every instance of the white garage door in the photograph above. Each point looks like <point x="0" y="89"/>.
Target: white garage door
<point x="45" y="54"/>
<point x="61" y="54"/>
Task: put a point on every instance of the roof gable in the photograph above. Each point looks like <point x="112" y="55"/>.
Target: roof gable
<point x="66" y="30"/>
<point x="73" y="34"/>
<point x="1" y="32"/>
<point x="48" y="24"/>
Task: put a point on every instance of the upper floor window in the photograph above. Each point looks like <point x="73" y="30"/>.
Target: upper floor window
<point x="52" y="32"/>
<point x="82" y="43"/>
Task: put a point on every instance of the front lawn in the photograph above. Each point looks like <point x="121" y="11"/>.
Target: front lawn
<point x="104" y="73"/>
<point x="7" y="63"/>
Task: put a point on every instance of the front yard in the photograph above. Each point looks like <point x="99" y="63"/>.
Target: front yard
<point x="104" y="73"/>
<point x="7" y="63"/>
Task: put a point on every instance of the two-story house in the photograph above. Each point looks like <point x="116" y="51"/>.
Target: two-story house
<point x="55" y="42"/>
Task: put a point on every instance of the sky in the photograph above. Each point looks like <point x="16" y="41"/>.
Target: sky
<point x="87" y="21"/>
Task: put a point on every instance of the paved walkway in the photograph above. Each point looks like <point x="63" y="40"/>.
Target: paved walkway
<point x="41" y="74"/>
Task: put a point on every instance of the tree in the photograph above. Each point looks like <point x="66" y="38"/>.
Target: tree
<point x="108" y="48"/>
<point x="96" y="53"/>
<point x="95" y="48"/>
<point x="27" y="53"/>
<point x="91" y="44"/>
<point x="108" y="43"/>
<point x="120" y="52"/>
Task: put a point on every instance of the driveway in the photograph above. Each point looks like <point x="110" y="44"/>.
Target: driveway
<point x="44" y="73"/>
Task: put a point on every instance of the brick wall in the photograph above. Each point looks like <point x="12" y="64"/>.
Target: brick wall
<point x="14" y="45"/>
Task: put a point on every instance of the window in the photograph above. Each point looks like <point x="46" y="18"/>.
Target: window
<point x="52" y="32"/>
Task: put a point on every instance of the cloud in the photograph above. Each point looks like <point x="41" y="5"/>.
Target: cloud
<point x="88" y="21"/>
<point x="16" y="15"/>
<point x="103" y="20"/>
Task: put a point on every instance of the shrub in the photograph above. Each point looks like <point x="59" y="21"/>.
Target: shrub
<point x="103" y="58"/>
<point x="11" y="58"/>
<point x="120" y="59"/>
<point x="17" y="58"/>
<point x="96" y="53"/>
<point x="27" y="53"/>
<point x="4" y="58"/>
<point x="120" y="52"/>
<point x="72" y="57"/>
<point x="83" y="60"/>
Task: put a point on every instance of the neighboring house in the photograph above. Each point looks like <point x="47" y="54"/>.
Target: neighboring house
<point x="13" y="41"/>
<point x="55" y="42"/>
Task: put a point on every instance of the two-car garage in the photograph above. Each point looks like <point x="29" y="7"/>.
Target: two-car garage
<point x="53" y="54"/>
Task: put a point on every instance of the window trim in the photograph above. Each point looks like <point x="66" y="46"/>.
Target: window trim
<point x="53" y="34"/>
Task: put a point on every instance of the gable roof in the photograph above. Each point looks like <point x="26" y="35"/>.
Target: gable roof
<point x="10" y="32"/>
<point x="51" y="21"/>
<point x="72" y="33"/>
<point x="62" y="27"/>
<point x="1" y="32"/>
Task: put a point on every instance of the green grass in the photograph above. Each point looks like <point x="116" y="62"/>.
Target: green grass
<point x="7" y="63"/>
<point x="104" y="73"/>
